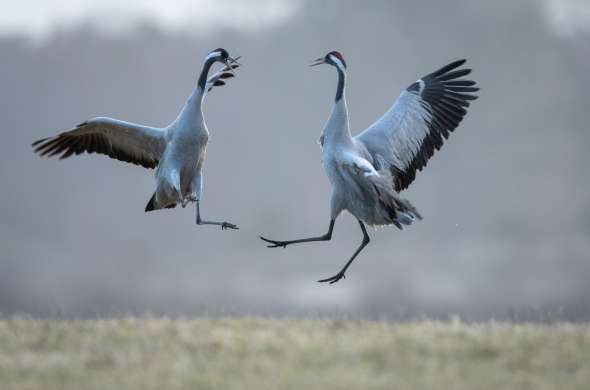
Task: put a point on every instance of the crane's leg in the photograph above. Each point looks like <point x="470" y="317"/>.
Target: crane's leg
<point x="224" y="225"/>
<point x="340" y="274"/>
<point x="324" y="237"/>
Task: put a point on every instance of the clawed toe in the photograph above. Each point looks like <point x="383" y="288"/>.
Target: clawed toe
<point x="274" y="244"/>
<point x="333" y="279"/>
<point x="227" y="225"/>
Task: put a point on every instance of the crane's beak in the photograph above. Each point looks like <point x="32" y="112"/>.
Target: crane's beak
<point x="235" y="60"/>
<point x="232" y="63"/>
<point x="318" y="61"/>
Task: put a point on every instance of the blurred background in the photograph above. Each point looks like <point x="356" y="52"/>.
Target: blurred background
<point x="506" y="202"/>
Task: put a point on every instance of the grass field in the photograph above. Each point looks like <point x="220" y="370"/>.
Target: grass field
<point x="258" y="353"/>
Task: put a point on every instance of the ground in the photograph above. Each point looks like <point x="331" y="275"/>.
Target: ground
<point x="264" y="353"/>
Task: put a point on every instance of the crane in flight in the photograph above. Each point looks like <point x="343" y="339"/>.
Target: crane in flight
<point x="368" y="171"/>
<point x="177" y="151"/>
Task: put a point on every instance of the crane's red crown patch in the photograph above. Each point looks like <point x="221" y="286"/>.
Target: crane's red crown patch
<point x="338" y="55"/>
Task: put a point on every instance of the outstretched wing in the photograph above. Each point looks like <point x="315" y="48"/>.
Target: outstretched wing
<point x="406" y="136"/>
<point x="124" y="141"/>
<point x="218" y="79"/>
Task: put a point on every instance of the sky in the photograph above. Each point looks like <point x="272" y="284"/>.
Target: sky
<point x="506" y="202"/>
<point x="40" y="18"/>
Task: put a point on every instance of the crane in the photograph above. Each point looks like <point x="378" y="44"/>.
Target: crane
<point x="368" y="171"/>
<point x="177" y="151"/>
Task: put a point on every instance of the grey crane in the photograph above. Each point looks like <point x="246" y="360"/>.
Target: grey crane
<point x="177" y="151"/>
<point x="368" y="171"/>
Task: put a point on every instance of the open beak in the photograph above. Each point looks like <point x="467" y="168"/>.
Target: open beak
<point x="235" y="60"/>
<point x="232" y="63"/>
<point x="318" y="61"/>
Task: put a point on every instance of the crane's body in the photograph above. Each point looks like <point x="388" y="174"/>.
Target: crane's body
<point x="177" y="152"/>
<point x="357" y="186"/>
<point x="368" y="171"/>
<point x="179" y="174"/>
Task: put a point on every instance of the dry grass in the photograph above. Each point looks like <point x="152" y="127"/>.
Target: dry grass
<point x="257" y="353"/>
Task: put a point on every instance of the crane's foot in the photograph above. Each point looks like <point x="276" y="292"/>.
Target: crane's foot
<point x="333" y="279"/>
<point x="275" y="244"/>
<point x="227" y="225"/>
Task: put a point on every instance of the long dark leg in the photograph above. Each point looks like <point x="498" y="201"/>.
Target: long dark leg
<point x="325" y="237"/>
<point x="340" y="274"/>
<point x="224" y="225"/>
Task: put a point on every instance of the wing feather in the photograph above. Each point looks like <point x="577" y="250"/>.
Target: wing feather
<point x="425" y="114"/>
<point x="124" y="141"/>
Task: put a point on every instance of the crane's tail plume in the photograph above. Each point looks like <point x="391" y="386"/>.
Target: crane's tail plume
<point x="404" y="213"/>
<point x="399" y="210"/>
<point x="151" y="205"/>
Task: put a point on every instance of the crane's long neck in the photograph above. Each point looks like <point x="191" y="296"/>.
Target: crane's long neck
<point x="337" y="128"/>
<point x="204" y="73"/>
<point x="340" y="87"/>
<point x="193" y="108"/>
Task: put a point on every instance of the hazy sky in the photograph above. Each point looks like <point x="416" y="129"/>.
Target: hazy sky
<point x="506" y="201"/>
<point x="39" y="18"/>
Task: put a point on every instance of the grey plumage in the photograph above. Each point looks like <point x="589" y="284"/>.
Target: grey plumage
<point x="407" y="135"/>
<point x="368" y="171"/>
<point x="176" y="151"/>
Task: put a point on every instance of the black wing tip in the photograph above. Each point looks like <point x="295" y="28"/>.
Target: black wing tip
<point x="455" y="64"/>
<point x="450" y="72"/>
<point x="448" y="96"/>
<point x="458" y="62"/>
<point x="44" y="145"/>
<point x="39" y="141"/>
<point x="454" y="75"/>
<point x="67" y="144"/>
<point x="448" y="67"/>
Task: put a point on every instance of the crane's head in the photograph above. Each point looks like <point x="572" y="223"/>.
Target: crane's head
<point x="221" y="55"/>
<point x="333" y="58"/>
